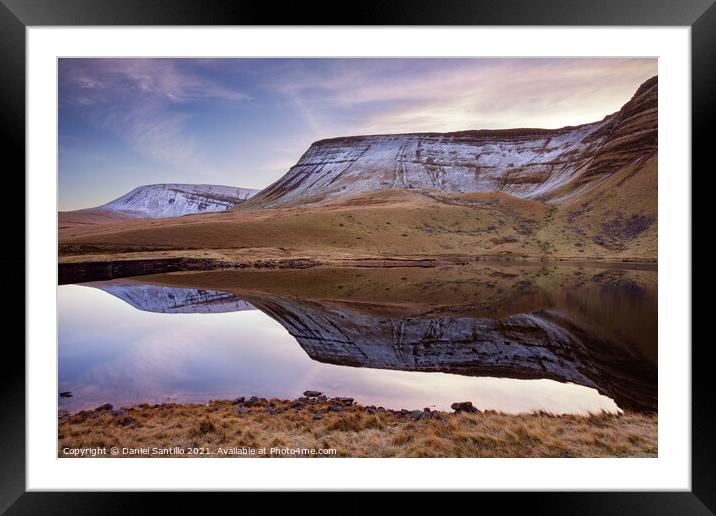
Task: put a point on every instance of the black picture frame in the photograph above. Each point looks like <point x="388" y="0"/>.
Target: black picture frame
<point x="17" y="15"/>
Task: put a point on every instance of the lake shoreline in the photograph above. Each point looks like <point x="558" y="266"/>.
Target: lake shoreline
<point x="75" y="269"/>
<point x="231" y="428"/>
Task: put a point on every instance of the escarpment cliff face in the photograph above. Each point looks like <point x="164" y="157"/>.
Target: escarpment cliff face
<point x="545" y="164"/>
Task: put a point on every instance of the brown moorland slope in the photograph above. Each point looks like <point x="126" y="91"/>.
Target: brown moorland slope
<point x="617" y="220"/>
<point x="80" y="218"/>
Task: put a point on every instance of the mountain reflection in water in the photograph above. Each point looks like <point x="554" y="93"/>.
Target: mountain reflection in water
<point x="580" y="326"/>
<point x="172" y="300"/>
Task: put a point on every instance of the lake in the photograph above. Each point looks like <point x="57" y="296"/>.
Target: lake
<point x="511" y="337"/>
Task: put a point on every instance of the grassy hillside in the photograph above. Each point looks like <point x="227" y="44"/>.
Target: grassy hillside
<point x="615" y="220"/>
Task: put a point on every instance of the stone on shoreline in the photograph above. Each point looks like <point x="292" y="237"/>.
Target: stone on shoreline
<point x="464" y="406"/>
<point x="255" y="401"/>
<point x="345" y="401"/>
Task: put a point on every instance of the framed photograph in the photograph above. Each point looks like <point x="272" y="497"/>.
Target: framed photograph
<point x="432" y="250"/>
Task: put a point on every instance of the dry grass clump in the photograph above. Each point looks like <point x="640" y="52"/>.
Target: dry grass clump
<point x="357" y="431"/>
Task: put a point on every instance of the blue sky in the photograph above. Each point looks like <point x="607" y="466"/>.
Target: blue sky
<point x="124" y="123"/>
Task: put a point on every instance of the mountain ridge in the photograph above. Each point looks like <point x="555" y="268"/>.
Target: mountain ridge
<point x="528" y="162"/>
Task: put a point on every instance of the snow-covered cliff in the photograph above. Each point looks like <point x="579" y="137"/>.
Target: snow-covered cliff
<point x="174" y="200"/>
<point x="547" y="164"/>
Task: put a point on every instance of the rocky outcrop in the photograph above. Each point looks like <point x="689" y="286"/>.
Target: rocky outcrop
<point x="152" y="298"/>
<point x="551" y="165"/>
<point x="535" y="345"/>
<point x="174" y="200"/>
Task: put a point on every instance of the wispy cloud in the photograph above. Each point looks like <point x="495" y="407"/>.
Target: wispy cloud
<point x="141" y="101"/>
<point x="107" y="80"/>
<point x="386" y="95"/>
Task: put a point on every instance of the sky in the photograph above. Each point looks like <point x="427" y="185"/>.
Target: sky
<point x="125" y="123"/>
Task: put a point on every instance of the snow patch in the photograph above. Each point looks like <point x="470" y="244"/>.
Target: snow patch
<point x="175" y="200"/>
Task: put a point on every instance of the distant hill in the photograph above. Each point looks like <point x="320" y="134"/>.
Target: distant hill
<point x="167" y="200"/>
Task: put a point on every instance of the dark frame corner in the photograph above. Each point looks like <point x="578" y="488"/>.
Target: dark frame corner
<point x="17" y="15"/>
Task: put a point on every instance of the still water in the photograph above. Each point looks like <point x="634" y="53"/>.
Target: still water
<point x="508" y="338"/>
